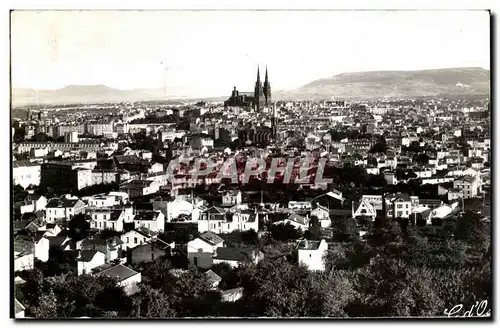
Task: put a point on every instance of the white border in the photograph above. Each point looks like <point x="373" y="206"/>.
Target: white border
<point x="5" y="143"/>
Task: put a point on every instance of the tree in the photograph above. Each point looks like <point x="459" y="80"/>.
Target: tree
<point x="41" y="137"/>
<point x="388" y="287"/>
<point x="314" y="232"/>
<point x="46" y="307"/>
<point x="471" y="229"/>
<point x="422" y="159"/>
<point x="285" y="232"/>
<point x="151" y="303"/>
<point x="344" y="229"/>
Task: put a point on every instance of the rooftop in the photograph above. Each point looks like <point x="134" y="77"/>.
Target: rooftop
<point x="119" y="271"/>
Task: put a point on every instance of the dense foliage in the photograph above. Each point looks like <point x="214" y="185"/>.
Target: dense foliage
<point x="396" y="269"/>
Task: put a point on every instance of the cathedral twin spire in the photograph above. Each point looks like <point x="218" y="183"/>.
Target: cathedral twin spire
<point x="262" y="92"/>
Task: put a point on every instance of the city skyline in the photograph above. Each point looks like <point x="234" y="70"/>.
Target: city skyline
<point x="206" y="53"/>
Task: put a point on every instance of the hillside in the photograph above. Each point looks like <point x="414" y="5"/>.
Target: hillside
<point x="360" y="85"/>
<point x="85" y="94"/>
<point x="395" y="84"/>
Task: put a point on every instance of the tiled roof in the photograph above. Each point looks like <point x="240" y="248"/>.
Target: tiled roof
<point x="211" y="238"/>
<point x="119" y="271"/>
<point x="234" y="253"/>
<point x="87" y="255"/>
<point x="212" y="276"/>
<point x="308" y="244"/>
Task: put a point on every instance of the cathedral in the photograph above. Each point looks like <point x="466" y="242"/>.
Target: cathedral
<point x="261" y="97"/>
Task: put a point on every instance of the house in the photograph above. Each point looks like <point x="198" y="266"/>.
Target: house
<point x="454" y="193"/>
<point x="236" y="255"/>
<point x="107" y="218"/>
<point x="312" y="253"/>
<point x="299" y="206"/>
<point x="232" y="197"/>
<point x="331" y="200"/>
<point x="364" y="210"/>
<point x="60" y="243"/>
<point x="218" y="220"/>
<point x="134" y="238"/>
<point x="24" y="260"/>
<point x="25" y="173"/>
<point x="213" y="278"/>
<point x="103" y="200"/>
<point x="183" y="205"/>
<point x="469" y="185"/>
<point x="149" y="251"/>
<point x="200" y="251"/>
<point x="152" y="220"/>
<point x="39" y="202"/>
<point x="126" y="277"/>
<point x="402" y="206"/>
<point x="36" y="242"/>
<point x="110" y="247"/>
<point x="50" y="229"/>
<point x="63" y="208"/>
<point x="431" y="203"/>
<point x="232" y="295"/>
<point x="323" y="215"/>
<point x="88" y="260"/>
<point x="138" y="188"/>
<point x="18" y="309"/>
<point x="297" y="221"/>
<point x="390" y="177"/>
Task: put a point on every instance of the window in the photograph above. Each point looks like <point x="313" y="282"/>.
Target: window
<point x="200" y="250"/>
<point x="127" y="239"/>
<point x="195" y="261"/>
<point x="220" y="224"/>
<point x="144" y="239"/>
<point x="135" y="240"/>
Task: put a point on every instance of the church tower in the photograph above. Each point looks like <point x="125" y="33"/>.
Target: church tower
<point x="267" y="90"/>
<point x="259" y="99"/>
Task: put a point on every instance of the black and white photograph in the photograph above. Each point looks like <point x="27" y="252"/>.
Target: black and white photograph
<point x="250" y="164"/>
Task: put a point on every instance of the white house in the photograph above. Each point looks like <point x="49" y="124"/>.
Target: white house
<point x="218" y="220"/>
<point x="134" y="238"/>
<point x="201" y="250"/>
<point x="106" y="218"/>
<point x="236" y="255"/>
<point x="126" y="277"/>
<point x="469" y="186"/>
<point x="19" y="309"/>
<point x="190" y="207"/>
<point x="294" y="205"/>
<point x="402" y="206"/>
<point x="323" y="216"/>
<point x="26" y="173"/>
<point x="23" y="261"/>
<point x="60" y="208"/>
<point x="152" y="220"/>
<point x="88" y="260"/>
<point x="297" y="221"/>
<point x="312" y="253"/>
<point x="231" y="198"/>
<point x="103" y="200"/>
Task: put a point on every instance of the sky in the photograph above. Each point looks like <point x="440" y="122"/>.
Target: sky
<point x="206" y="53"/>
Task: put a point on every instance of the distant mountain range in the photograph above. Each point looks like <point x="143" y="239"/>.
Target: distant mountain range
<point x="360" y="85"/>
<point x="396" y="84"/>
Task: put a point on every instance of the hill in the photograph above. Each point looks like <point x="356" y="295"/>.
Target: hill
<point x="360" y="85"/>
<point x="395" y="84"/>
